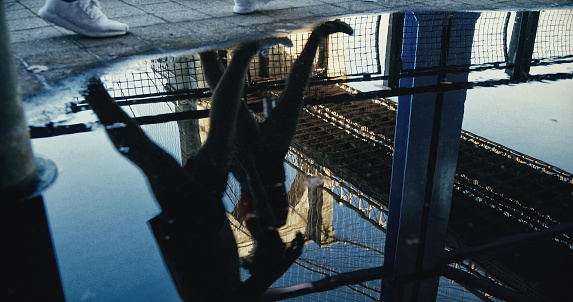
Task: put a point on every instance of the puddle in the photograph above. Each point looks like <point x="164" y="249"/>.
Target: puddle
<point x="515" y="152"/>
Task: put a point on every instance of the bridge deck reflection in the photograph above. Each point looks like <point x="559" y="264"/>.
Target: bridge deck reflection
<point x="498" y="191"/>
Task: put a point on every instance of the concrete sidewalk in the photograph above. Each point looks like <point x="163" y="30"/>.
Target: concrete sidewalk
<point x="160" y="27"/>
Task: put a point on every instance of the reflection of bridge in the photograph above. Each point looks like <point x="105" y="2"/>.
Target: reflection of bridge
<point x="498" y="191"/>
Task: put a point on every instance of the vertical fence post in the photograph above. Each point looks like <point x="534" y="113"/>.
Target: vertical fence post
<point x="28" y="261"/>
<point x="428" y="128"/>
<point x="394" y="50"/>
<point x="521" y="45"/>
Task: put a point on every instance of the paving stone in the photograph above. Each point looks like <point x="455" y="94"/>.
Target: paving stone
<point x="26" y="23"/>
<point x="34" y="34"/>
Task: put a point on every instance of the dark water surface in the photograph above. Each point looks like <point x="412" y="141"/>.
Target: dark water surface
<point x="338" y="167"/>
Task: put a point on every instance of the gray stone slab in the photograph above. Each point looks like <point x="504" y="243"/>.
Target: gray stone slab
<point x="185" y="14"/>
<point x="17" y="14"/>
<point x="192" y="32"/>
<point x="327" y="10"/>
<point x="26" y="23"/>
<point x="142" y="21"/>
<point x="121" y="10"/>
<point x="129" y="46"/>
<point x="34" y="34"/>
<point x="11" y="5"/>
<point x="219" y="4"/>
<point x="163" y="30"/>
<point x="336" y="1"/>
<point x="162" y="8"/>
<point x="215" y="11"/>
<point x="233" y="34"/>
<point x="31" y="3"/>
<point x="252" y="19"/>
<point x="290" y="13"/>
<point x="306" y="22"/>
<point x="182" y="43"/>
<point x="304" y="3"/>
<point x="212" y="25"/>
<point x="276" y="4"/>
<point x="66" y="59"/>
<point x="354" y="6"/>
<point x="141" y="2"/>
<point x="86" y="42"/>
<point x="272" y="28"/>
<point x="44" y="46"/>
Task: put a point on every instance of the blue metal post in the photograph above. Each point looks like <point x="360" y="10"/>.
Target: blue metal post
<point x="426" y="144"/>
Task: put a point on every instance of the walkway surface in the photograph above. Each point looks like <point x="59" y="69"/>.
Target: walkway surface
<point x="161" y="27"/>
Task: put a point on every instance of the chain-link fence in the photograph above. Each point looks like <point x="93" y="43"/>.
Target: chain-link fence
<point x="485" y="35"/>
<point x="554" y="37"/>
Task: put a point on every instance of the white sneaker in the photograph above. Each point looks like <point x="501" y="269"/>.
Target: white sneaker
<point x="83" y="17"/>
<point x="248" y="6"/>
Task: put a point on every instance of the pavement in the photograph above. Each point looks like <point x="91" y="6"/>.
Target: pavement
<point x="166" y="27"/>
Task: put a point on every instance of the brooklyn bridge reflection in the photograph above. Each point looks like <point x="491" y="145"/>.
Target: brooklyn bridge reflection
<point x="340" y="163"/>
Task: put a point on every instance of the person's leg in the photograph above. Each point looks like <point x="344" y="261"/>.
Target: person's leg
<point x="192" y="231"/>
<point x="128" y="138"/>
<point x="161" y="169"/>
<point x="81" y="16"/>
<point x="247" y="127"/>
<point x="275" y="135"/>
<point x="280" y="126"/>
<point x="263" y="159"/>
<point x="217" y="153"/>
<point x="213" y="70"/>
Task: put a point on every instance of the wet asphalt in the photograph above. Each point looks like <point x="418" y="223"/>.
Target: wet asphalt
<point x="47" y="55"/>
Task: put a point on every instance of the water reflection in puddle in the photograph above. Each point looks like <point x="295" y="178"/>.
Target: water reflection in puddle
<point x="338" y="168"/>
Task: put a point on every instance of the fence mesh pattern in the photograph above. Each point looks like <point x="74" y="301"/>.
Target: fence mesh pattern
<point x="490" y="39"/>
<point x="554" y="36"/>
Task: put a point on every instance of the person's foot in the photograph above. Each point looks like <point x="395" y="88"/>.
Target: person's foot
<point x="83" y="17"/>
<point x="336" y="26"/>
<point x="248" y="6"/>
<point x="269" y="251"/>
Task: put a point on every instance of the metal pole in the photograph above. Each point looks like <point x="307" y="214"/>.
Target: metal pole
<point x="28" y="261"/>
<point x="17" y="165"/>
<point x="394" y="50"/>
<point x="428" y="128"/>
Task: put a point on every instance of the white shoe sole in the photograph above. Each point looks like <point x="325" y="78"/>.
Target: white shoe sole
<point x="53" y="18"/>
<point x="243" y="10"/>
